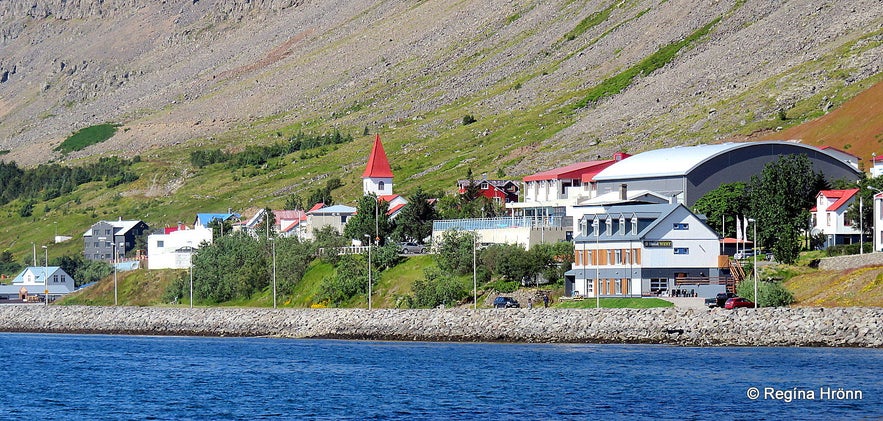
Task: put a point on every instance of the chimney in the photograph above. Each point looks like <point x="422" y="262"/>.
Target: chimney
<point x="623" y="191"/>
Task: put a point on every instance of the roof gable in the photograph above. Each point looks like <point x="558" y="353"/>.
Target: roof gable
<point x="572" y="171"/>
<point x="378" y="164"/>
<point x="840" y="197"/>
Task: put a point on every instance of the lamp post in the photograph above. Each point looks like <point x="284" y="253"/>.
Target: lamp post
<point x="474" y="274"/>
<point x="875" y="236"/>
<point x="861" y="217"/>
<point x="190" y="255"/>
<point x="755" y="260"/>
<point x="113" y="248"/>
<point x="273" y="240"/>
<point x="369" y="270"/>
<point x="596" y="225"/>
<point x="46" y="274"/>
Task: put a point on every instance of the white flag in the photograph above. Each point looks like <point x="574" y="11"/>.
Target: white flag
<point x="745" y="227"/>
<point x="738" y="229"/>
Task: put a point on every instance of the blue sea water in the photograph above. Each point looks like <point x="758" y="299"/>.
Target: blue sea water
<point x="175" y="378"/>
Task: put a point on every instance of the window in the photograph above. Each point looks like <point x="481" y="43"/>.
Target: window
<point x="681" y="250"/>
<point x="609" y="257"/>
<point x="681" y="226"/>
<point x="381" y="185"/>
<point x="829" y="218"/>
<point x="54" y="279"/>
<point x="634" y="226"/>
<point x="484" y="185"/>
<point x="658" y="284"/>
<point x="160" y="244"/>
<point x="617" y="257"/>
<point x="95" y="244"/>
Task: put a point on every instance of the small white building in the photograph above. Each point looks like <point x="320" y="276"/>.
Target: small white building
<point x="878" y="222"/>
<point x="173" y="249"/>
<point x="643" y="250"/>
<point x="829" y="217"/>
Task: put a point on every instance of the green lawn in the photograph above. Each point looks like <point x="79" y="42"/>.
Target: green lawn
<point x="615" y="303"/>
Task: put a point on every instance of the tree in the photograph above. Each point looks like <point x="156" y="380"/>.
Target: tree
<point x="220" y="227"/>
<point x="779" y="199"/>
<point x="868" y="187"/>
<point x="436" y="288"/>
<point x="232" y="266"/>
<point x="267" y="226"/>
<point x="364" y="221"/>
<point x="723" y="205"/>
<point x="294" y="201"/>
<point x="455" y="250"/>
<point x="349" y="279"/>
<point x="414" y="223"/>
<point x="293" y="258"/>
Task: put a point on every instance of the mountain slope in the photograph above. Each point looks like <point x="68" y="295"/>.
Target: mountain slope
<point x="236" y="72"/>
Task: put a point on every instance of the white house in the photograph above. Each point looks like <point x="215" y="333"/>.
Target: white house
<point x="335" y="216"/>
<point x="829" y="216"/>
<point x="173" y="249"/>
<point x="35" y="281"/>
<point x="640" y="250"/>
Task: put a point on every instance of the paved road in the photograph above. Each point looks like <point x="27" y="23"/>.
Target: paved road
<point x="686" y="302"/>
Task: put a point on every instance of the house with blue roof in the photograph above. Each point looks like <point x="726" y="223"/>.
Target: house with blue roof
<point x="646" y="250"/>
<point x="34" y="282"/>
<point x="203" y="220"/>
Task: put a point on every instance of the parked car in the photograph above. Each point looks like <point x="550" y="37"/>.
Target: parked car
<point x="719" y="300"/>
<point x="747" y="254"/>
<point x="408" y="248"/>
<point x="737" y="302"/>
<point x="506" y="302"/>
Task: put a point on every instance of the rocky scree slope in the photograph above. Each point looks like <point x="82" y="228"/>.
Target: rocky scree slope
<point x="226" y="70"/>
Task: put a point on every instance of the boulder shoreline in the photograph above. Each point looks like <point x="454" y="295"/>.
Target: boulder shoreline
<point x="821" y="327"/>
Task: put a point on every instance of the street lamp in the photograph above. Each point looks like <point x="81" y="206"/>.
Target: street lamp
<point x="874" y="217"/>
<point x="755" y="260"/>
<point x="861" y="230"/>
<point x="596" y="225"/>
<point x="190" y="261"/>
<point x="474" y="274"/>
<point x="114" y="250"/>
<point x="46" y="274"/>
<point x="368" y="236"/>
<point x="273" y="241"/>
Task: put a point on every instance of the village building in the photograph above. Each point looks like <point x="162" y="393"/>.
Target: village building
<point x="829" y="217"/>
<point x="500" y="191"/>
<point x="112" y="240"/>
<point x="686" y="173"/>
<point x="34" y="282"/>
<point x="646" y="250"/>
<point x="174" y="247"/>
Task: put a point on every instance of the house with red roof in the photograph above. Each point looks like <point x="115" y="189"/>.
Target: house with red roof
<point x="829" y="217"/>
<point x="500" y="191"/>
<point x="548" y="193"/>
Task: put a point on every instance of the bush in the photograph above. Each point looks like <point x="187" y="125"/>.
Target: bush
<point x="350" y="278"/>
<point x="468" y="119"/>
<point x="770" y="293"/>
<point x="504" y="286"/>
<point x="438" y="288"/>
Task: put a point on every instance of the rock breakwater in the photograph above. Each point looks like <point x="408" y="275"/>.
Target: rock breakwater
<point x="835" y="327"/>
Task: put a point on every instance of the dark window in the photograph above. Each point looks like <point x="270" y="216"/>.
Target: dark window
<point x="681" y="226"/>
<point x="681" y="250"/>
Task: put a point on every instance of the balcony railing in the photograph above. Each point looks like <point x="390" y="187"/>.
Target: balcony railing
<point x="498" y="223"/>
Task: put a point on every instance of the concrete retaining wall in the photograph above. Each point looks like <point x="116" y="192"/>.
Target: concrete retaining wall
<point x="852" y="327"/>
<point x="852" y="261"/>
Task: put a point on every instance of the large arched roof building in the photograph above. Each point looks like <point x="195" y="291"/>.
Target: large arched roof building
<point x="688" y="172"/>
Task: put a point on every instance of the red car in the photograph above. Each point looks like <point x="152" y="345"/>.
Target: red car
<point x="737" y="302"/>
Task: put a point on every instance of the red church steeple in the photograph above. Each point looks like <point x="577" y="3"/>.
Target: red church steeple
<point x="378" y="164"/>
